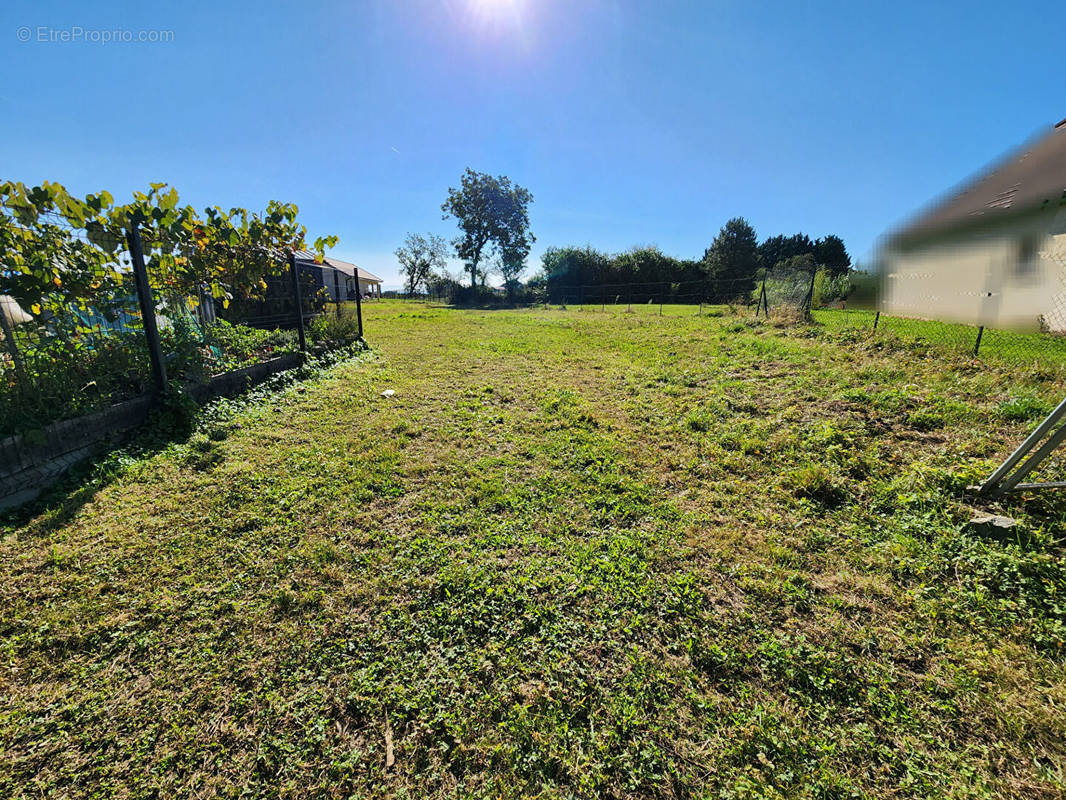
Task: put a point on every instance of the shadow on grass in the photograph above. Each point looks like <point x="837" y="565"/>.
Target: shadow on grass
<point x="60" y="502"/>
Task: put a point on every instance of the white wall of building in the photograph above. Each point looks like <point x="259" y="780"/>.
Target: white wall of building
<point x="1012" y="275"/>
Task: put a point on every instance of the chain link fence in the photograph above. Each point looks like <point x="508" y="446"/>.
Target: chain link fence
<point x="651" y="294"/>
<point x="834" y="304"/>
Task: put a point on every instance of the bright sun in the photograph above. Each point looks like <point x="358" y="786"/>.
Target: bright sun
<point x="493" y="5"/>
<point x="496" y="11"/>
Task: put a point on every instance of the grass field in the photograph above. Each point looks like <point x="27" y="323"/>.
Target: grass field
<point x="575" y="554"/>
<point x="953" y="338"/>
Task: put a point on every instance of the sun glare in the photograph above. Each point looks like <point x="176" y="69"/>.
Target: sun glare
<point x="497" y="14"/>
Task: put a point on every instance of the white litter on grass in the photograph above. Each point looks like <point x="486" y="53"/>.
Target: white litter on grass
<point x="388" y="393"/>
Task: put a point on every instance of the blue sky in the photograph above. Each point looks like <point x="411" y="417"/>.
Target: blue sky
<point x="631" y="122"/>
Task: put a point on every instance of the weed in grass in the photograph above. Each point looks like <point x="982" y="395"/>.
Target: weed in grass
<point x="1023" y="408"/>
<point x="815" y="482"/>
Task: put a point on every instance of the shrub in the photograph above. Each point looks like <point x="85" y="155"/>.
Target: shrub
<point x="829" y="288"/>
<point x="235" y="346"/>
<point x="335" y="329"/>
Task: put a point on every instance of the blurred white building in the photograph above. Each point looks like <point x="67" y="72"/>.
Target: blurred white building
<point x="993" y="253"/>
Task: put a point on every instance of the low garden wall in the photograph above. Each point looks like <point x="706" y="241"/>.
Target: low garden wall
<point x="31" y="462"/>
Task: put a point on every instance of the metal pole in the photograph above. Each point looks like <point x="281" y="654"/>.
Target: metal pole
<point x="144" y="296"/>
<point x="299" y="302"/>
<point x="977" y="344"/>
<point x="358" y="304"/>
<point x="1033" y="461"/>
<point x="808" y="301"/>
<point x="877" y="318"/>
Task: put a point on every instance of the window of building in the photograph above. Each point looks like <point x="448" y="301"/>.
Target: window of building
<point x="1028" y="255"/>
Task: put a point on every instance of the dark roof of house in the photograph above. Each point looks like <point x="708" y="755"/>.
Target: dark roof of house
<point x="1026" y="179"/>
<point x="307" y="257"/>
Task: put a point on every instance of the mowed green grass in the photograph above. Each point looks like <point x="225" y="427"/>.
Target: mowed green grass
<point x="576" y="554"/>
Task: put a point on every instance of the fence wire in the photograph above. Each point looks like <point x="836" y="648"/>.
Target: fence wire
<point x="80" y="346"/>
<point x="805" y="298"/>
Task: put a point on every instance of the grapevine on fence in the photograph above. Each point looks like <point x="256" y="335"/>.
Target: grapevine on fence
<point x="227" y="254"/>
<point x="74" y="337"/>
<point x="41" y="259"/>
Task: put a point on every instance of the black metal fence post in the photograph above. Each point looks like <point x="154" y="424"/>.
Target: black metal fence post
<point x="877" y="318"/>
<point x="763" y="303"/>
<point x="358" y="305"/>
<point x="299" y="302"/>
<point x="977" y="344"/>
<point x="147" y="303"/>
<point x="808" y="301"/>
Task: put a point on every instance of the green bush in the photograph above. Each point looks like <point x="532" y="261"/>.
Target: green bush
<point x="335" y="329"/>
<point x="829" y="288"/>
<point x="234" y="346"/>
<point x="70" y="376"/>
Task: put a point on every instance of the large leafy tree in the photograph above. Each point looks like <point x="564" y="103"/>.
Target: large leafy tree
<point x="420" y="257"/>
<point x="515" y="241"/>
<point x="830" y="252"/>
<point x="776" y="249"/>
<point x="511" y="263"/>
<point x="493" y="216"/>
<point x="732" y="260"/>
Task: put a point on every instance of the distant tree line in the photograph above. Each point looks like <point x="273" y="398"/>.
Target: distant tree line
<point x="492" y="214"/>
<point x="728" y="270"/>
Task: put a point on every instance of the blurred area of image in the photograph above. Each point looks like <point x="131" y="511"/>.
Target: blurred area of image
<point x="991" y="253"/>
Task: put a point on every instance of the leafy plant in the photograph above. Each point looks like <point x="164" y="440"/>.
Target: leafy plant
<point x="335" y="329"/>
<point x="1023" y="407"/>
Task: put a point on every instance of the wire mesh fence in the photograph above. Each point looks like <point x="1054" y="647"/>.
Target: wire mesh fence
<point x="651" y="294"/>
<point x="805" y="298"/>
<point x="78" y="345"/>
<point x="78" y="342"/>
<point x="950" y="338"/>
